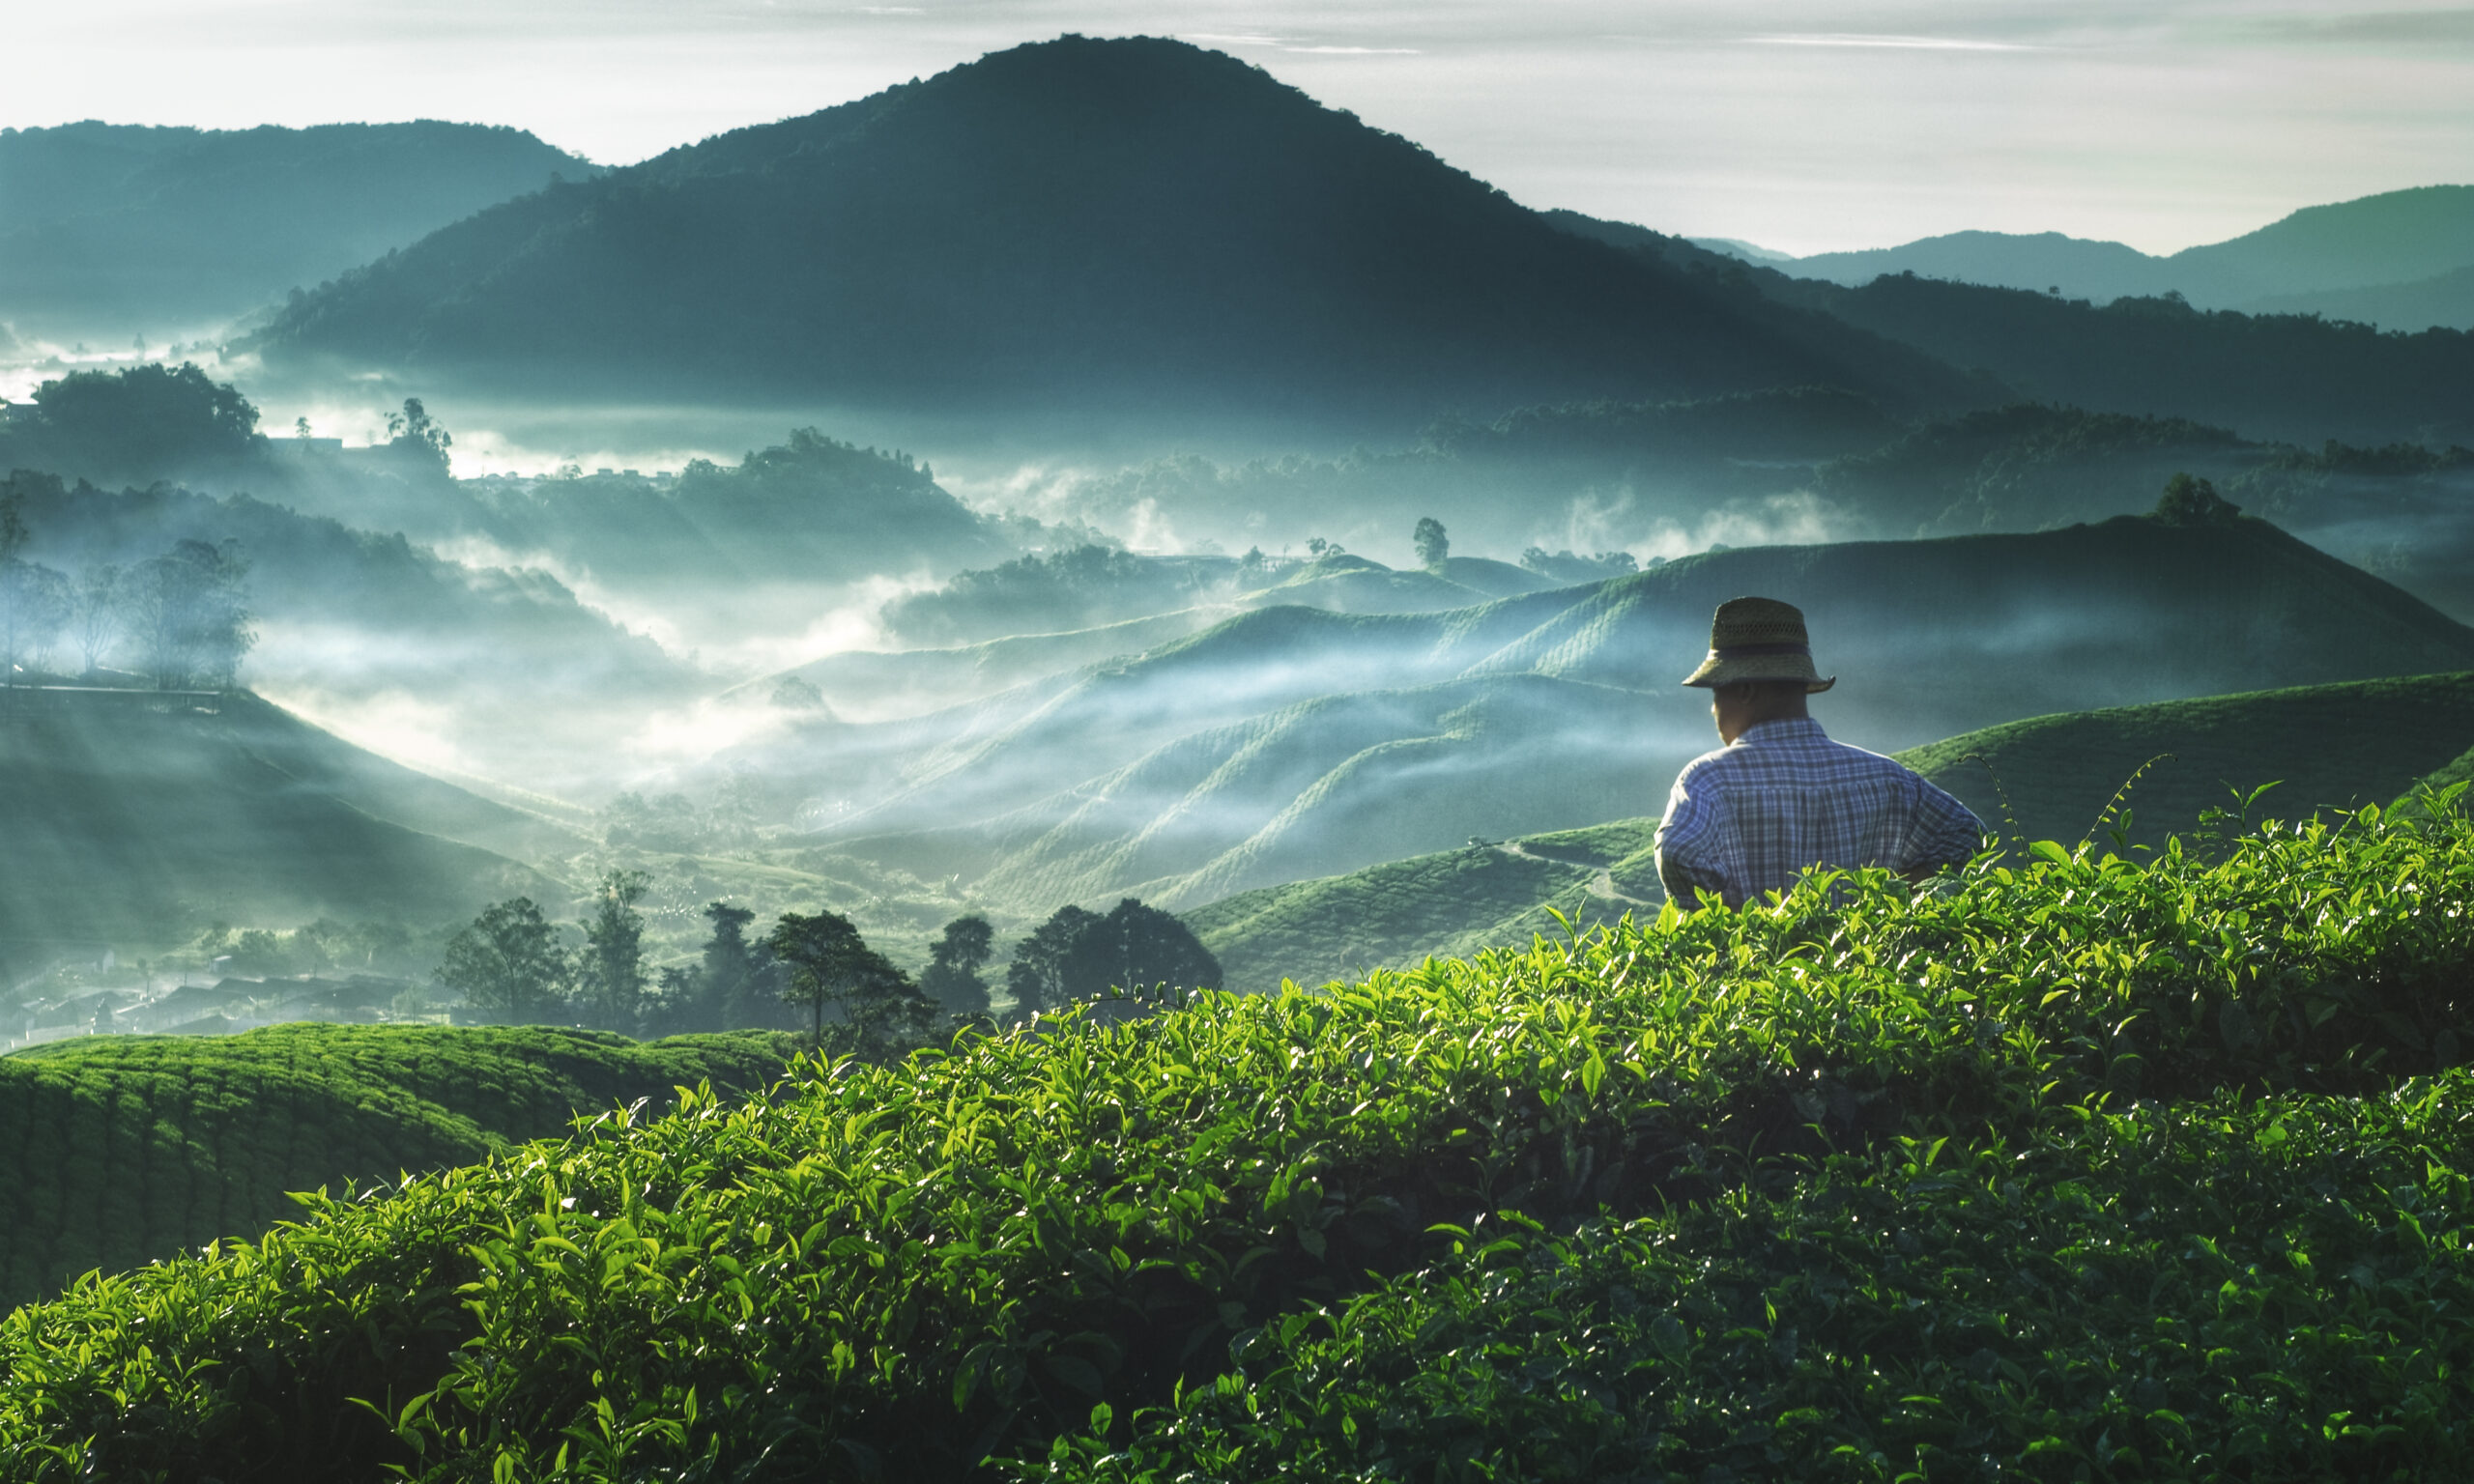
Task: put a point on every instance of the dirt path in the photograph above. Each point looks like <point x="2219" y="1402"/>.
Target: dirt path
<point x="1601" y="885"/>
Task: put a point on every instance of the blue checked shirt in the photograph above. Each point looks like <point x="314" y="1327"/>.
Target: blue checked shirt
<point x="1746" y="819"/>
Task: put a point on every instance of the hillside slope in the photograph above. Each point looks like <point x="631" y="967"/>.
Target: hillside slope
<point x="1120" y="230"/>
<point x="1292" y="742"/>
<point x="133" y="818"/>
<point x="129" y="1149"/>
<point x="119" y="229"/>
<point x="2325" y="746"/>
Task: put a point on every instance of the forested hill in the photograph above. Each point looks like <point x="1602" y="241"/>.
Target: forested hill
<point x="1138" y="227"/>
<point x="120" y="229"/>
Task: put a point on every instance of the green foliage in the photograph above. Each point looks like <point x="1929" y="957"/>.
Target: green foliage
<point x="827" y="963"/>
<point x="1078" y="955"/>
<point x="1895" y="1118"/>
<point x="952" y="977"/>
<point x="1433" y="547"/>
<point x="609" y="972"/>
<point x="139" y="424"/>
<point x="124" y="1150"/>
<point x="2189" y="501"/>
<point x="510" y="964"/>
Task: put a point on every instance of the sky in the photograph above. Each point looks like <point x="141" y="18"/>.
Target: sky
<point x="1803" y="126"/>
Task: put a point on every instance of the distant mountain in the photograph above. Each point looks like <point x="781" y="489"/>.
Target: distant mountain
<point x="1115" y="229"/>
<point x="2285" y="377"/>
<point x="119" y="229"/>
<point x="2386" y="259"/>
<point x="1290" y="742"/>
<point x="135" y="818"/>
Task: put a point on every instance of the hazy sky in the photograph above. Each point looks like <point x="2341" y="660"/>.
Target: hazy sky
<point x="1802" y="126"/>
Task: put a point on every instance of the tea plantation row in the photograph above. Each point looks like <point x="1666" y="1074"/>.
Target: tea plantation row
<point x="123" y="1149"/>
<point x="2078" y="1168"/>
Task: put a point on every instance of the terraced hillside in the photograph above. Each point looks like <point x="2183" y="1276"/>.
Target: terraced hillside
<point x="1260" y="750"/>
<point x="126" y="1149"/>
<point x="2327" y="747"/>
<point x="135" y="817"/>
<point x="2034" y="1177"/>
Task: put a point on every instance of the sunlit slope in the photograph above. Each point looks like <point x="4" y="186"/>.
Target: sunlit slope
<point x="132" y="819"/>
<point x="1120" y="229"/>
<point x="2325" y="746"/>
<point x="1259" y="752"/>
<point x="1441" y="904"/>
<point x="1344" y="780"/>
<point x="2328" y="746"/>
<point x="125" y="1149"/>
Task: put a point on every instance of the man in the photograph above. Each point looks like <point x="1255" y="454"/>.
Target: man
<point x="1780" y="797"/>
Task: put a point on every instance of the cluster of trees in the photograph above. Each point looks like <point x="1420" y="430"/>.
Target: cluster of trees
<point x="182" y="618"/>
<point x="512" y="964"/>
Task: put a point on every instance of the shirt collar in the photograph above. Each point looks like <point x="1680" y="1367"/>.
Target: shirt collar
<point x="1779" y="729"/>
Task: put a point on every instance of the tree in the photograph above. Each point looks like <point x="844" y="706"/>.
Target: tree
<point x="416" y="435"/>
<point x="34" y="605"/>
<point x="2189" y="501"/>
<point x="96" y="621"/>
<point x="1078" y="955"/>
<point x="1433" y="545"/>
<point x="830" y="965"/>
<point x="188" y="611"/>
<point x="508" y="964"/>
<point x="613" y="957"/>
<point x="954" y="959"/>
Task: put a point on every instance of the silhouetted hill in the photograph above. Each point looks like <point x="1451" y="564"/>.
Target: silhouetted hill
<point x="117" y="228"/>
<point x="1132" y="228"/>
<point x="2290" y="377"/>
<point x="2374" y="259"/>
<point x="135" y="817"/>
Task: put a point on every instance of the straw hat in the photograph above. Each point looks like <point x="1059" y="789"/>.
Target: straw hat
<point x="1759" y="638"/>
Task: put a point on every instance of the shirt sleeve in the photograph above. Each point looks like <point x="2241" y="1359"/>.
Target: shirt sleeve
<point x="1688" y="865"/>
<point x="1944" y="833"/>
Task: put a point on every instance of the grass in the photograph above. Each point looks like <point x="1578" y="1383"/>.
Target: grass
<point x="128" y="1149"/>
<point x="1875" y="1183"/>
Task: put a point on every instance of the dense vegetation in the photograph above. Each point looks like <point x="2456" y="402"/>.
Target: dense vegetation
<point x="1135" y="229"/>
<point x="2073" y="1165"/>
<point x="128" y="1149"/>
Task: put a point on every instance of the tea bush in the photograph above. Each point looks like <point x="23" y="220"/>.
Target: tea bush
<point x="903" y="1272"/>
<point x="122" y="1148"/>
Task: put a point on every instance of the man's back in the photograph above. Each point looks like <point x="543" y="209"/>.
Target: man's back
<point x="1749" y="817"/>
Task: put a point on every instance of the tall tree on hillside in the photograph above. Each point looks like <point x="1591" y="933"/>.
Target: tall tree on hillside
<point x="188" y="609"/>
<point x="97" y="620"/>
<point x="952" y="980"/>
<point x="612" y="967"/>
<point x="830" y="964"/>
<point x="414" y="434"/>
<point x="508" y="964"/>
<point x="1433" y="546"/>
<point x="34" y="605"/>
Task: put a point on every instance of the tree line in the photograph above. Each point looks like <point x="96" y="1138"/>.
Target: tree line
<point x="513" y="964"/>
<point x="182" y="619"/>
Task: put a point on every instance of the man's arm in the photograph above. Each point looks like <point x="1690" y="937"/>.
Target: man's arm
<point x="1685" y="837"/>
<point x="1944" y="833"/>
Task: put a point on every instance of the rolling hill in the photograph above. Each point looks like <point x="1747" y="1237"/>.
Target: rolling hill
<point x="2326" y="746"/>
<point x="137" y="817"/>
<point x="117" y="228"/>
<point x="1116" y="230"/>
<point x="129" y="1149"/>
<point x="1294" y="742"/>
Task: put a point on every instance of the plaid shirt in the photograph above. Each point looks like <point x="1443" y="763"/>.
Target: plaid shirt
<point x="1745" y="819"/>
